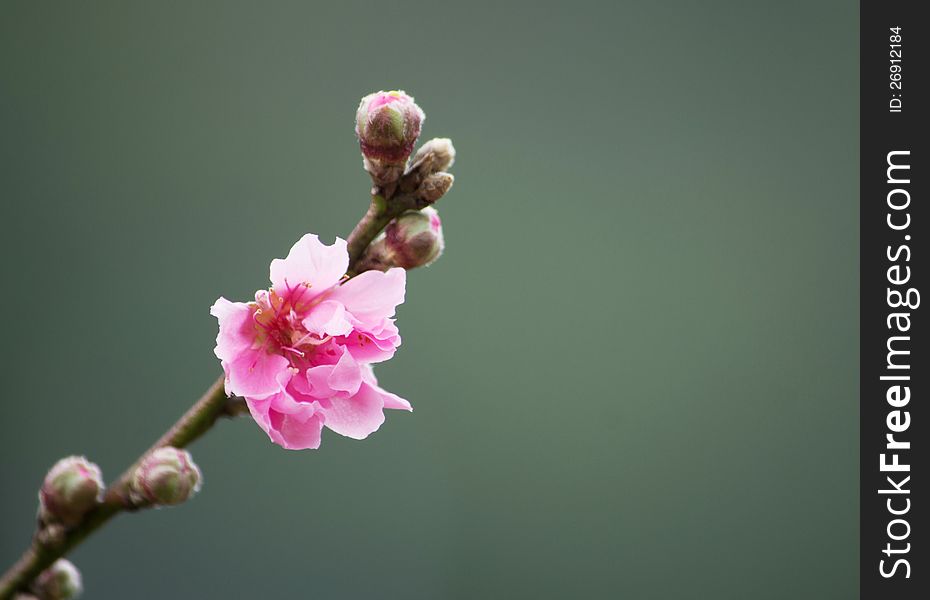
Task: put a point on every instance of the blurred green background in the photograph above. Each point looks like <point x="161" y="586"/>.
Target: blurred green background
<point x="634" y="370"/>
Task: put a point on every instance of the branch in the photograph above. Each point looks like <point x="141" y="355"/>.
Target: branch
<point x="405" y="196"/>
<point x="389" y="200"/>
<point x="49" y="545"/>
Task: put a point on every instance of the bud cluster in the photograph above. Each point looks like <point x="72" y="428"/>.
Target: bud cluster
<point x="426" y="177"/>
<point x="387" y="125"/>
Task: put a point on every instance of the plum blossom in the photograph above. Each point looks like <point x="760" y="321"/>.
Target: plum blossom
<point x="301" y="353"/>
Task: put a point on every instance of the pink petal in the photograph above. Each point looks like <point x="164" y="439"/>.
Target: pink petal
<point x="394" y="401"/>
<point x="342" y="379"/>
<point x="373" y="295"/>
<point x="327" y="318"/>
<point x="293" y="432"/>
<point x="292" y="402"/>
<point x="390" y="400"/>
<point x="358" y="416"/>
<point x="370" y="344"/>
<point x="310" y="261"/>
<point x="237" y="329"/>
<point x="296" y="434"/>
<point x="257" y="374"/>
<point x="346" y="375"/>
<point x="259" y="411"/>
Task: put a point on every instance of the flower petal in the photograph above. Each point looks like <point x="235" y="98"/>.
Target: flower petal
<point x="296" y="434"/>
<point x="373" y="295"/>
<point x="394" y="401"/>
<point x="310" y="261"/>
<point x="292" y="402"/>
<point x="327" y="318"/>
<point x="290" y="431"/>
<point x="390" y="400"/>
<point x="358" y="416"/>
<point x="259" y="411"/>
<point x="237" y="328"/>
<point x="346" y="375"/>
<point x="341" y="379"/>
<point x="371" y="345"/>
<point x="257" y="374"/>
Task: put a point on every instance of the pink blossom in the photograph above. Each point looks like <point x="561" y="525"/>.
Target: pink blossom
<point x="301" y="353"/>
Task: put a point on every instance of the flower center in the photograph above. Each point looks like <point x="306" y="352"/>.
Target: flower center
<point x="279" y="322"/>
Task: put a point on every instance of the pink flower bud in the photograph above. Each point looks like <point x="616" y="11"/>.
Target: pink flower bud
<point x="61" y="581"/>
<point x="387" y="125"/>
<point x="164" y="477"/>
<point x="414" y="239"/>
<point x="72" y="487"/>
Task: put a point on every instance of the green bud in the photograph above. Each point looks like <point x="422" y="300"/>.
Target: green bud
<point x="165" y="477"/>
<point x="61" y="581"/>
<point x="387" y="125"/>
<point x="71" y="488"/>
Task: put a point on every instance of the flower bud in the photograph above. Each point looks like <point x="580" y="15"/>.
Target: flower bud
<point x="164" y="477"/>
<point x="414" y="239"/>
<point x="435" y="187"/>
<point x="72" y="487"/>
<point x="61" y="581"/>
<point x="436" y="155"/>
<point x="387" y="125"/>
